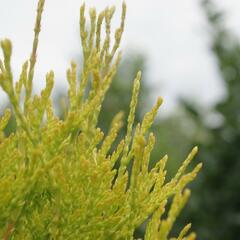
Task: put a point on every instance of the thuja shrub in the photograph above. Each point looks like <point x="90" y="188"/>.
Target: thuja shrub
<point x="60" y="178"/>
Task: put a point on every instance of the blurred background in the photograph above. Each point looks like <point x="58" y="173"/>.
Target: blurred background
<point x="189" y="52"/>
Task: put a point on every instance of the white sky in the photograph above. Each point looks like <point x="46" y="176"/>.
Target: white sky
<point x="171" y="33"/>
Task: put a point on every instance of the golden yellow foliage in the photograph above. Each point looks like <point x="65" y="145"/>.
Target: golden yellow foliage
<point x="58" y="178"/>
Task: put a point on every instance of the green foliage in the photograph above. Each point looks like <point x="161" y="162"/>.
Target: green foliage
<point x="57" y="176"/>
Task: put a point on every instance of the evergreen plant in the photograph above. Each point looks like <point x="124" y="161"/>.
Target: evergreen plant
<point x="58" y="178"/>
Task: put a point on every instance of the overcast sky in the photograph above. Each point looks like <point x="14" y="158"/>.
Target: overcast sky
<point x="172" y="34"/>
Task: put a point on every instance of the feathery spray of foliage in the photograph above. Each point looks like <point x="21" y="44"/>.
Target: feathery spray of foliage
<point x="57" y="177"/>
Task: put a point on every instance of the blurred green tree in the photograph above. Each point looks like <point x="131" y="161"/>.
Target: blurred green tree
<point x="215" y="206"/>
